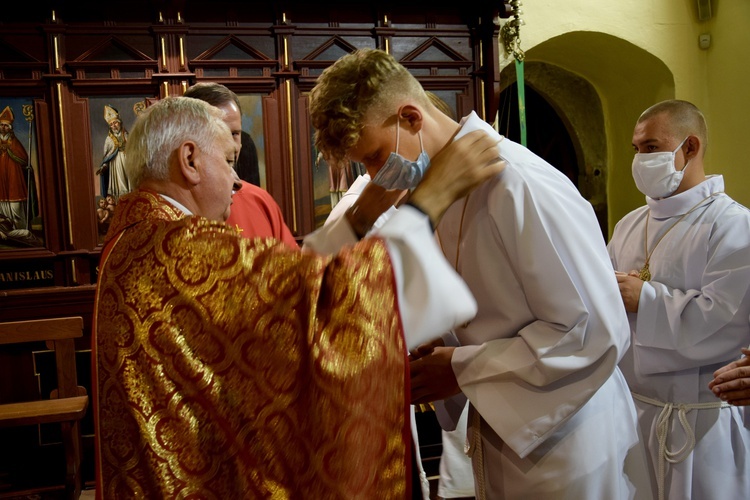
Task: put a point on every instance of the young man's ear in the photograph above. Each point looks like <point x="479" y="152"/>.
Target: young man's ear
<point x="187" y="157"/>
<point x="412" y="115"/>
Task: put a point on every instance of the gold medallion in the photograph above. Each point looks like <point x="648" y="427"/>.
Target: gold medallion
<point x="645" y="274"/>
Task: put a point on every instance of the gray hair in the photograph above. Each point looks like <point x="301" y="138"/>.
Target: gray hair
<point x="160" y="130"/>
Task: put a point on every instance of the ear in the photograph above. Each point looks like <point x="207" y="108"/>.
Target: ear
<point x="412" y="115"/>
<point x="692" y="147"/>
<point x="187" y="159"/>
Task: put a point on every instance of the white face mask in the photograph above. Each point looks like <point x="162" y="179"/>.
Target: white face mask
<point x="399" y="173"/>
<point x="655" y="174"/>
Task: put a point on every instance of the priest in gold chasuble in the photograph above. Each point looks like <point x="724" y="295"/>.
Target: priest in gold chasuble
<point x="228" y="368"/>
<point x="234" y="368"/>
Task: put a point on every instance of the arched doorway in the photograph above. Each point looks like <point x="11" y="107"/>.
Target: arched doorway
<point x="598" y="84"/>
<point x="545" y="131"/>
<point x="564" y="125"/>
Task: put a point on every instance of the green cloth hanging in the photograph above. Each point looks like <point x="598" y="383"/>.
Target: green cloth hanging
<point x="521" y="100"/>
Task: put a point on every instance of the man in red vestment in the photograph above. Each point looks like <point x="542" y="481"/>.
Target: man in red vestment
<point x="13" y="162"/>
<point x="227" y="367"/>
<point x="254" y="211"/>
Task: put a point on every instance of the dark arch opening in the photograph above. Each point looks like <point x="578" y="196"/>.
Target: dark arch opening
<point x="546" y="134"/>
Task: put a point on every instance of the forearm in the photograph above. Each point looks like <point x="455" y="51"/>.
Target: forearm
<point x="677" y="330"/>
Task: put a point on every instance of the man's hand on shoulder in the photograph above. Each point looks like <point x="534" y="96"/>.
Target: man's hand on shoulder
<point x="455" y="171"/>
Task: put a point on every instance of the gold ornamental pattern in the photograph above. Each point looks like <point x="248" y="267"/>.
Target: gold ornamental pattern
<point x="235" y="368"/>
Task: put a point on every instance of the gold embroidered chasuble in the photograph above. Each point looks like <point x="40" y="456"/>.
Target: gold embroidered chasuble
<point x="233" y="368"/>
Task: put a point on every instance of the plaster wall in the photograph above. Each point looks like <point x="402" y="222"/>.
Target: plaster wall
<point x="635" y="53"/>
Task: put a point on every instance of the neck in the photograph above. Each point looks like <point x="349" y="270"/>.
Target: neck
<point x="694" y="175"/>
<point x="441" y="132"/>
<point x="175" y="191"/>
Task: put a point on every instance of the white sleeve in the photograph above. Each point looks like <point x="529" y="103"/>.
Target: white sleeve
<point x="559" y="327"/>
<point x="432" y="297"/>
<point x="330" y="238"/>
<point x="336" y="232"/>
<point x="681" y="327"/>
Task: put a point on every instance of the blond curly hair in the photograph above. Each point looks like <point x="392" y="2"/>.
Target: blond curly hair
<point x="346" y="92"/>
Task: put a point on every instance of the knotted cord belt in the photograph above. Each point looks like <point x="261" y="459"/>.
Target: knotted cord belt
<point x="662" y="430"/>
<point x="475" y="447"/>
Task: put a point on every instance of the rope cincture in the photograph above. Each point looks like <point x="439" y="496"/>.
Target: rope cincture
<point x="474" y="447"/>
<point x="662" y="430"/>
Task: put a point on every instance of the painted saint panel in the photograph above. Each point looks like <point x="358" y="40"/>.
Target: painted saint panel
<point x="110" y="118"/>
<point x="21" y="224"/>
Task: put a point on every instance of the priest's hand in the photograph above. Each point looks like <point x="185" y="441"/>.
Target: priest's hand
<point x="455" y="171"/>
<point x="425" y="349"/>
<point x="432" y="376"/>
<point x="731" y="383"/>
<point x="630" y="289"/>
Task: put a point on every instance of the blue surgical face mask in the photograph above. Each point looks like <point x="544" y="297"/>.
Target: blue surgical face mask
<point x="399" y="173"/>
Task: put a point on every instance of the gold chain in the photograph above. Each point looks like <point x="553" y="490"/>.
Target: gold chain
<point x="458" y="244"/>
<point x="460" y="233"/>
<point x="645" y="273"/>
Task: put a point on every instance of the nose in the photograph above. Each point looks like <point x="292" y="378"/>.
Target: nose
<point x="236" y="183"/>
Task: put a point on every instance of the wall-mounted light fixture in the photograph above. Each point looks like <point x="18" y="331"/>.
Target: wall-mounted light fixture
<point x="704" y="10"/>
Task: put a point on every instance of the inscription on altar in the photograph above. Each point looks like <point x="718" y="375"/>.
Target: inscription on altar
<point x="26" y="276"/>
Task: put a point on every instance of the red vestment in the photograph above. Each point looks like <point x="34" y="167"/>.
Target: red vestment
<point x="256" y="214"/>
<point x="13" y="159"/>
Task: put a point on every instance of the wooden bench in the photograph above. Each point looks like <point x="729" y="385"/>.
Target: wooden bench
<point x="67" y="404"/>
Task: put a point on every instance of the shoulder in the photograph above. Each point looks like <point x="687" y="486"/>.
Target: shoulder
<point x="200" y="250"/>
<point x="251" y="192"/>
<point x="529" y="179"/>
<point x="528" y="171"/>
<point x="197" y="229"/>
<point x="732" y="206"/>
<point x="729" y="218"/>
<point x="632" y="218"/>
<point x="725" y="215"/>
<point x="635" y="214"/>
<point x="212" y="238"/>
